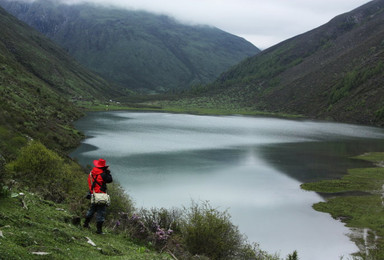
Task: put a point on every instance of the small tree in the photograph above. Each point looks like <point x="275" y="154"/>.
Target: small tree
<point x="209" y="232"/>
<point x="293" y="256"/>
<point x="42" y="171"/>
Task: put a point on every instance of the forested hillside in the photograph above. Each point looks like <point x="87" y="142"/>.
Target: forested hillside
<point x="334" y="72"/>
<point x="135" y="49"/>
<point x="37" y="81"/>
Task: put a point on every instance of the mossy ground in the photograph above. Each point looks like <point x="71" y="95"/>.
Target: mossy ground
<point x="363" y="211"/>
<point x="44" y="226"/>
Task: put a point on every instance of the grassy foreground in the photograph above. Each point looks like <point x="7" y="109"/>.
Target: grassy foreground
<point x="362" y="211"/>
<point x="33" y="228"/>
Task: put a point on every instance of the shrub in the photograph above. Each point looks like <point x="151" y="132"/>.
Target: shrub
<point x="161" y="224"/>
<point x="45" y="172"/>
<point x="154" y="226"/>
<point x="10" y="143"/>
<point x="121" y="204"/>
<point x="163" y="218"/>
<point x="200" y="232"/>
<point x="293" y="256"/>
<point x="77" y="187"/>
<point x="207" y="231"/>
<point x="39" y="169"/>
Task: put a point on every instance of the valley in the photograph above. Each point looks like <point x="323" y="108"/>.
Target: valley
<point x="60" y="61"/>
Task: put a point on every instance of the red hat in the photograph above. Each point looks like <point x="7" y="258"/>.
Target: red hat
<point x="100" y="163"/>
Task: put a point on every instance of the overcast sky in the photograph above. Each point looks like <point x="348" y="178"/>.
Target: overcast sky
<point x="262" y="22"/>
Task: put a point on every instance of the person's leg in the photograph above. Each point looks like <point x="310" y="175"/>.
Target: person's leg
<point x="89" y="215"/>
<point x="100" y="217"/>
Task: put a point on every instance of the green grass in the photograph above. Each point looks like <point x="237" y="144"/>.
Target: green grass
<point x="361" y="212"/>
<point x="47" y="227"/>
<point x="372" y="157"/>
<point x="367" y="179"/>
<point x="37" y="80"/>
<point x="213" y="111"/>
<point x="357" y="211"/>
<point x="160" y="106"/>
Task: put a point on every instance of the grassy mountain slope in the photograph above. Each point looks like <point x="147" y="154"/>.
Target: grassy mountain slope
<point x="43" y="230"/>
<point x="42" y="200"/>
<point x="333" y="72"/>
<point x="37" y="80"/>
<point x="135" y="49"/>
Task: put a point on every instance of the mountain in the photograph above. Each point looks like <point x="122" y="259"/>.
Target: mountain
<point x="135" y="49"/>
<point x="37" y="81"/>
<point x="334" y="72"/>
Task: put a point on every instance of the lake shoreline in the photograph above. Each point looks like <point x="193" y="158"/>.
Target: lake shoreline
<point x="361" y="213"/>
<point x="279" y="131"/>
<point x="210" y="112"/>
<point x="190" y="111"/>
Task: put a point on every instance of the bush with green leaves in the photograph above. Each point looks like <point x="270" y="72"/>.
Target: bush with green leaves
<point x="163" y="218"/>
<point x="293" y="256"/>
<point x="43" y="171"/>
<point x="162" y="224"/>
<point x="121" y="204"/>
<point x="210" y="232"/>
<point x="198" y="232"/>
<point x="10" y="142"/>
<point x="77" y="187"/>
<point x="154" y="226"/>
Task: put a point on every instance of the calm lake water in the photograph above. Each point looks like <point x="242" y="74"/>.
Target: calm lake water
<point x="252" y="166"/>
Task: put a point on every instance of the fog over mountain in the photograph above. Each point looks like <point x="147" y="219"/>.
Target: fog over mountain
<point x="334" y="72"/>
<point x="262" y="22"/>
<point x="135" y="49"/>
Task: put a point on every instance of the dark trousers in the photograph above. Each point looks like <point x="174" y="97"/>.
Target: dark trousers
<point x="100" y="211"/>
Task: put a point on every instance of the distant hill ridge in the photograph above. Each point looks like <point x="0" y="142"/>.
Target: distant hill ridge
<point x="135" y="49"/>
<point x="334" y="72"/>
<point x="37" y="81"/>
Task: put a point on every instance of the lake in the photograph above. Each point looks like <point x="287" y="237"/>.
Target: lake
<point x="250" y="166"/>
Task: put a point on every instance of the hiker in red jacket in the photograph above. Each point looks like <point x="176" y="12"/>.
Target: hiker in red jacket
<point x="97" y="182"/>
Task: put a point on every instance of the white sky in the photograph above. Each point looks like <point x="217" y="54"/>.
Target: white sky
<point x="262" y="22"/>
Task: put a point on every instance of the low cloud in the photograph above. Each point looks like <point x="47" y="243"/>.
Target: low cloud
<point x="263" y="22"/>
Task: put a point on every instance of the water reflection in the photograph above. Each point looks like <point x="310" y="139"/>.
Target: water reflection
<point x="313" y="161"/>
<point x="251" y="166"/>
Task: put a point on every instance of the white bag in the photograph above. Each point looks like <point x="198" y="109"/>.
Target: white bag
<point x="100" y="199"/>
